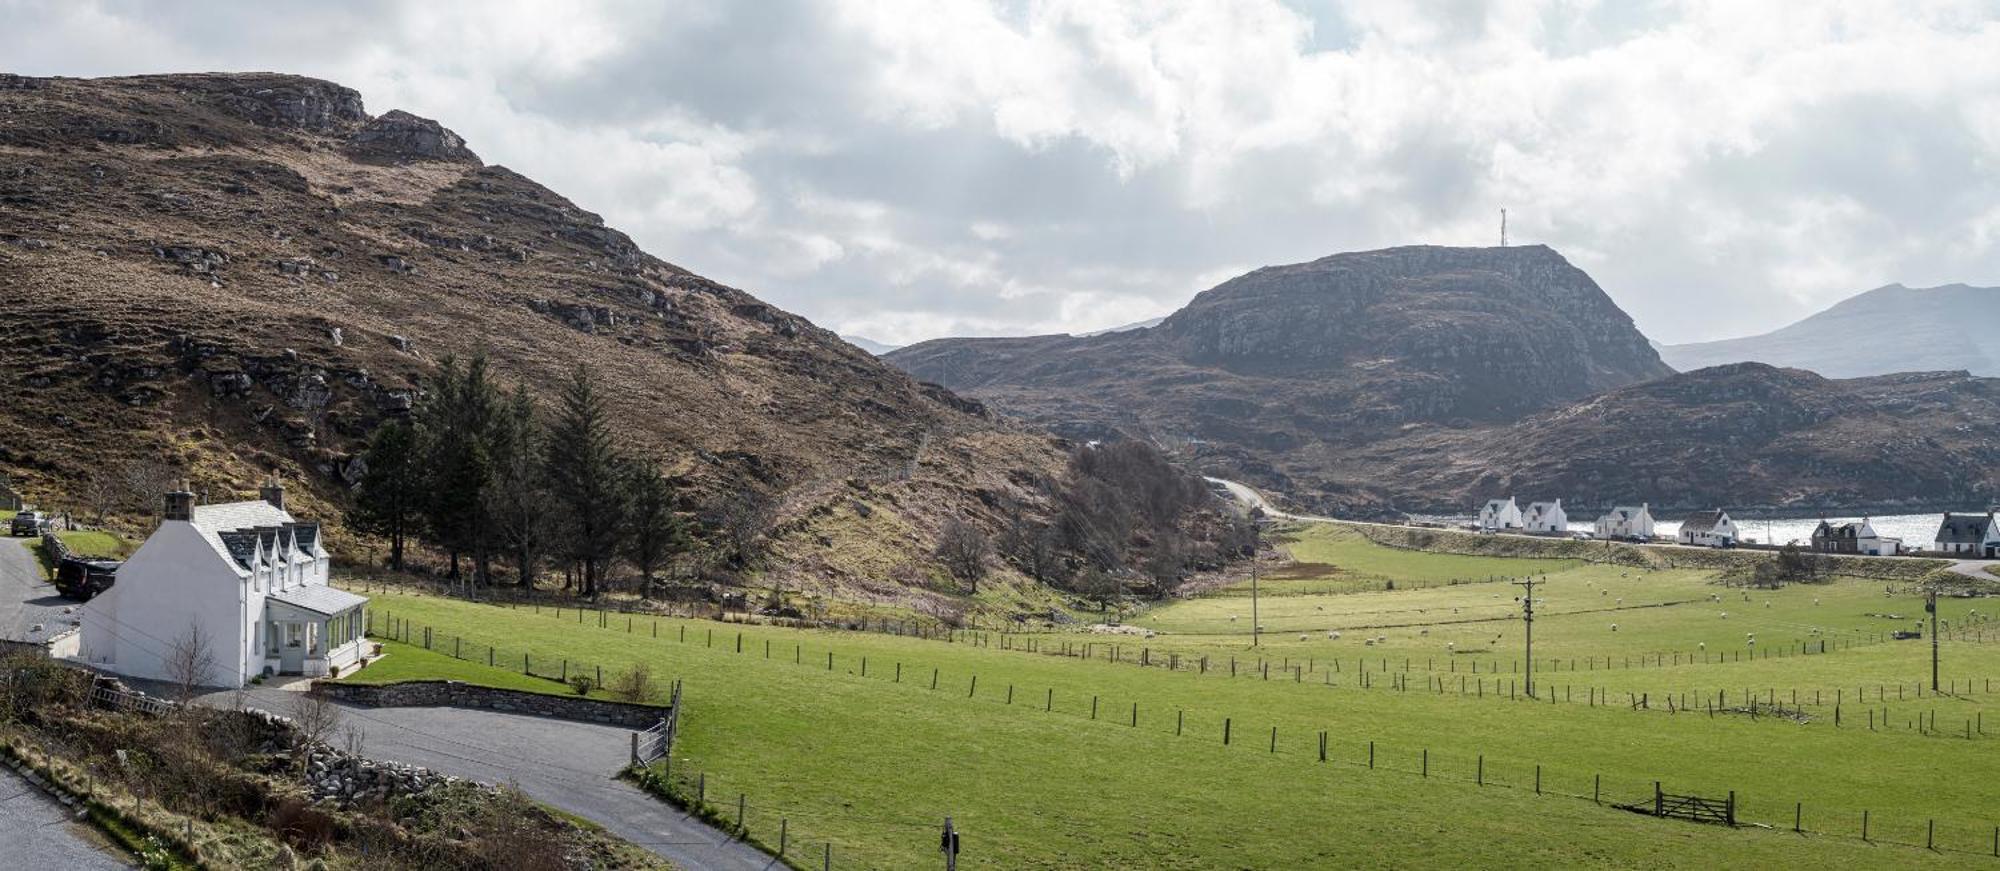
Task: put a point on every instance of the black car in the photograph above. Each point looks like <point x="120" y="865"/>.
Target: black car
<point x="29" y="523"/>
<point x="82" y="579"/>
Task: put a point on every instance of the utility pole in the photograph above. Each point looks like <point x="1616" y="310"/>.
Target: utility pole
<point x="1528" y="621"/>
<point x="1503" y="228"/>
<point x="949" y="846"/>
<point x="1256" y="544"/>
<point x="1930" y="604"/>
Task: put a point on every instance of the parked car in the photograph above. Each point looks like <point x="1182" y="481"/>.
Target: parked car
<point x="29" y="523"/>
<point x="85" y="578"/>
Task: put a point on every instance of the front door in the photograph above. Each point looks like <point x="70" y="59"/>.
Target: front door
<point x="292" y="653"/>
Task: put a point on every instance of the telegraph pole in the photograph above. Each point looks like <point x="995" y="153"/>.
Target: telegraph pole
<point x="1528" y="621"/>
<point x="1503" y="228"/>
<point x="1256" y="544"/>
<point x="1930" y="605"/>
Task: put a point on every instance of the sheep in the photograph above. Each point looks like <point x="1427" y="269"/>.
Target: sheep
<point x="1767" y="603"/>
<point x="1232" y="618"/>
<point x="1370" y="642"/>
<point x="1302" y="636"/>
<point x="1725" y="615"/>
<point x="1333" y="636"/>
<point x="1614" y="627"/>
<point x="1423" y="632"/>
<point x="1702" y="645"/>
<point x="1450" y="645"/>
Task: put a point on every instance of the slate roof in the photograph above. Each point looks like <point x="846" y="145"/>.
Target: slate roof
<point x="319" y="599"/>
<point x="1703" y="521"/>
<point x="1964" y="528"/>
<point x="241" y="519"/>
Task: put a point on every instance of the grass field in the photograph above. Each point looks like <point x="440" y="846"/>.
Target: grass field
<point x="83" y="542"/>
<point x="853" y="756"/>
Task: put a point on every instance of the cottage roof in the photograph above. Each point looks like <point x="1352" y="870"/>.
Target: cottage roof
<point x="319" y="599"/>
<point x="1704" y="521"/>
<point x="241" y="522"/>
<point x="1964" y="528"/>
<point x="1499" y="504"/>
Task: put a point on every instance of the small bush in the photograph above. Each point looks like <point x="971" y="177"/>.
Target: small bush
<point x="635" y="684"/>
<point x="582" y="684"/>
<point x="301" y="825"/>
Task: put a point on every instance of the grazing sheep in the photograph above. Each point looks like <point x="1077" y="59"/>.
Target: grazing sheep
<point x="1725" y="615"/>
<point x="1703" y="645"/>
<point x="1767" y="603"/>
<point x="1232" y="618"/>
<point x="1302" y="636"/>
<point x="1621" y="600"/>
<point x="1333" y="636"/>
<point x="1614" y="627"/>
<point x="1423" y="632"/>
<point x="1450" y="644"/>
<point x="1370" y="642"/>
<point x="1815" y="601"/>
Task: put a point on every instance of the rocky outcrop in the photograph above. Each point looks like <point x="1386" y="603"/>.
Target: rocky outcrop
<point x="401" y="136"/>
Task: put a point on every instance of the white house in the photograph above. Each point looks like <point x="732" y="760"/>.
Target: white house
<point x="1500" y="514"/>
<point x="245" y="575"/>
<point x="1858" y="538"/>
<point x="1626" y="522"/>
<point x="1709" y="529"/>
<point x="1548" y="517"/>
<point x="1971" y="534"/>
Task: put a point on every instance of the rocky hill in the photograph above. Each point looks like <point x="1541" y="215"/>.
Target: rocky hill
<point x="218" y="276"/>
<point x="1276" y="374"/>
<point x="1888" y="329"/>
<point x="1427" y="379"/>
<point x="1745" y="436"/>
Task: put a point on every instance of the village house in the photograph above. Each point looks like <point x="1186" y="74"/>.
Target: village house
<point x="1970" y="534"/>
<point x="1625" y="522"/>
<point x="246" y="576"/>
<point x="1546" y="517"/>
<point x="1709" y="529"/>
<point x="1500" y="514"/>
<point x="1855" y="538"/>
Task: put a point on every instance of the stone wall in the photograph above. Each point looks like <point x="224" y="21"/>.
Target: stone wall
<point x="454" y="694"/>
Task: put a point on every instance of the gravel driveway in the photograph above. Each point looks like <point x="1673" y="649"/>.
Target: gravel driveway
<point x="26" y="599"/>
<point x="36" y="832"/>
<point x="564" y="764"/>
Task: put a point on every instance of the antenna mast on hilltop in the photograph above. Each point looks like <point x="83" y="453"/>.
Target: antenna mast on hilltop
<point x="1503" y="228"/>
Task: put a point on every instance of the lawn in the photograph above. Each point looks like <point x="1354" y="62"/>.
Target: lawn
<point x="404" y="662"/>
<point x="92" y="543"/>
<point x="851" y="755"/>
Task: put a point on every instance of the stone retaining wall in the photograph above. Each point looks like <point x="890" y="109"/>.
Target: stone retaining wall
<point x="454" y="694"/>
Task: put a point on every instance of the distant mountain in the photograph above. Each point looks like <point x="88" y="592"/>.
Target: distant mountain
<point x="1742" y="435"/>
<point x="1888" y="329"/>
<point x="1273" y="373"/>
<point x="870" y="345"/>
<point x="1425" y="379"/>
<point x="1125" y="328"/>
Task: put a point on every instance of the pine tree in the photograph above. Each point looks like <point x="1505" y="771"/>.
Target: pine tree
<point x="456" y="422"/>
<point x="584" y="480"/>
<point x="390" y="499"/>
<point x="654" y="532"/>
<point x="518" y="501"/>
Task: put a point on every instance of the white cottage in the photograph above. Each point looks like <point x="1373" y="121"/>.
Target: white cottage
<point x="1969" y="534"/>
<point x="251" y="578"/>
<point x="1499" y="514"/>
<point x="1626" y="522"/>
<point x="1546" y="517"/>
<point x="1709" y="529"/>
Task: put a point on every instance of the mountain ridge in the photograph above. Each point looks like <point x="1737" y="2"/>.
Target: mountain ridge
<point x="229" y="275"/>
<point x="1893" y="328"/>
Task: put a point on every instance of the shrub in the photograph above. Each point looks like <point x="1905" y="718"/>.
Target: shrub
<point x="582" y="684"/>
<point x="634" y="684"/>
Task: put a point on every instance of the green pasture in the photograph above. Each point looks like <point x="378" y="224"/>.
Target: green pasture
<point x="871" y="764"/>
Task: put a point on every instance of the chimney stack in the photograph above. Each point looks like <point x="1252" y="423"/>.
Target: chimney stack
<point x="179" y="504"/>
<point x="273" y="491"/>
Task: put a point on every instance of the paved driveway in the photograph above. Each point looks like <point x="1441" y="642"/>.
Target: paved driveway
<point x="26" y="598"/>
<point x="561" y="763"/>
<point x="36" y="832"/>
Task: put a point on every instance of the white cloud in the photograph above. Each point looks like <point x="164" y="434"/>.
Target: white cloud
<point x="909" y="169"/>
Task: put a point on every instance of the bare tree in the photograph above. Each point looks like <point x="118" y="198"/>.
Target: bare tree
<point x="963" y="549"/>
<point x="190" y="662"/>
<point x="316" y="718"/>
<point x="742" y="521"/>
<point x="140" y="481"/>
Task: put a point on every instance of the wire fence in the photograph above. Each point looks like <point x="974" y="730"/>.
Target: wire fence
<point x="1866" y="824"/>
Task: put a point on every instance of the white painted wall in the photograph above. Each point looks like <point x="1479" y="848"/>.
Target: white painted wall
<point x="175" y="580"/>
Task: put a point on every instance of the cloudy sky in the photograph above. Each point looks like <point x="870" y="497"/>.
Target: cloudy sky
<point x="904" y="171"/>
